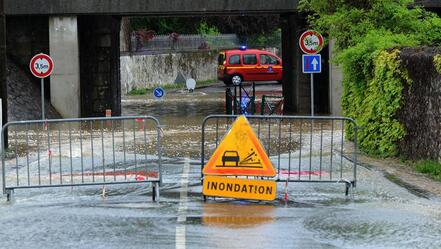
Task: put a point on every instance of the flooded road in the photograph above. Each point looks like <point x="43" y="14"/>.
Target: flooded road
<point x="378" y="214"/>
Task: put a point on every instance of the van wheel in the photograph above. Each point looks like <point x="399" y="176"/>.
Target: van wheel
<point x="227" y="82"/>
<point x="236" y="79"/>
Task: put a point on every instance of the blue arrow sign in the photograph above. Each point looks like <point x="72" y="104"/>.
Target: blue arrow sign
<point x="312" y="63"/>
<point x="159" y="92"/>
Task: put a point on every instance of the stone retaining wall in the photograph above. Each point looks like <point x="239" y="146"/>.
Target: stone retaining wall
<point x="421" y="111"/>
<point x="141" y="71"/>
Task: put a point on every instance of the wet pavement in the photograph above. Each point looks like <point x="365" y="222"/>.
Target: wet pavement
<point x="378" y="213"/>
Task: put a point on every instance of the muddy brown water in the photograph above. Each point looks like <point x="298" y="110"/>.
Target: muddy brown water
<point x="380" y="213"/>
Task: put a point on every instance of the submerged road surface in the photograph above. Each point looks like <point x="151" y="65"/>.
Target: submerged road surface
<point x="378" y="213"/>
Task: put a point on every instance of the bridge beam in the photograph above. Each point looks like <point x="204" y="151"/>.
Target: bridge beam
<point x="147" y="7"/>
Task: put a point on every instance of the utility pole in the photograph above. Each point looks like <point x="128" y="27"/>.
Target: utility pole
<point x="3" y="70"/>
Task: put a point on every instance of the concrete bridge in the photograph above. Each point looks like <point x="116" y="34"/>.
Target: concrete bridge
<point x="83" y="38"/>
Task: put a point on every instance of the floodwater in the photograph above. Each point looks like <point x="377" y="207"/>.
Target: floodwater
<point x="378" y="213"/>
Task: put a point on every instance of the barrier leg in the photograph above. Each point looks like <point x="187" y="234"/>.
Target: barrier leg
<point x="9" y="193"/>
<point x="349" y="187"/>
<point x="155" y="192"/>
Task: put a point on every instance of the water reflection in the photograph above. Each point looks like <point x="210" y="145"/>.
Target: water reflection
<point x="237" y="215"/>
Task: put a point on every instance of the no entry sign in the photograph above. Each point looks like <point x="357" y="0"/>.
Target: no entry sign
<point x="41" y="66"/>
<point x="311" y="42"/>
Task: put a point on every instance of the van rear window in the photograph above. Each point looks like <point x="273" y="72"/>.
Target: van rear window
<point x="268" y="60"/>
<point x="234" y="60"/>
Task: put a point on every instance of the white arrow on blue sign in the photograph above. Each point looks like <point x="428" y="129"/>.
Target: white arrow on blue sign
<point x="312" y="63"/>
<point x="159" y="92"/>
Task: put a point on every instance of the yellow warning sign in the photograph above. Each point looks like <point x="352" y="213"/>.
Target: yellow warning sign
<point x="239" y="188"/>
<point x="240" y="153"/>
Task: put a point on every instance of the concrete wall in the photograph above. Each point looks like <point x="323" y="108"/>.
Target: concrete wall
<point x="65" y="80"/>
<point x="335" y="84"/>
<point x="26" y="37"/>
<point x="141" y="71"/>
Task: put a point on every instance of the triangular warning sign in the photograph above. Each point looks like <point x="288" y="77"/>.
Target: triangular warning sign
<point x="240" y="153"/>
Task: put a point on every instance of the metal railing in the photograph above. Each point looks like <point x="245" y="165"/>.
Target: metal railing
<point x="79" y="152"/>
<point x="185" y="42"/>
<point x="271" y="105"/>
<point x="301" y="148"/>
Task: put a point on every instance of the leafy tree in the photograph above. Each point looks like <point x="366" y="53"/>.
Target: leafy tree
<point x="366" y="32"/>
<point x="205" y="29"/>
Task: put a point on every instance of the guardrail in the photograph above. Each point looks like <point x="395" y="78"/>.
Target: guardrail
<point x="185" y="42"/>
<point x="301" y="148"/>
<point x="81" y="152"/>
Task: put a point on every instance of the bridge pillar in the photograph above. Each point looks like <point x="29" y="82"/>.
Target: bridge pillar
<point x="293" y="79"/>
<point x="296" y="84"/>
<point x="99" y="65"/>
<point x="65" y="80"/>
<point x="3" y="69"/>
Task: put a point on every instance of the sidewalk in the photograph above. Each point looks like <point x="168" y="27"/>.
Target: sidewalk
<point x="403" y="175"/>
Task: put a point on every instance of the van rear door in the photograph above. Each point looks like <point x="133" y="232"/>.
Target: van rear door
<point x="270" y="68"/>
<point x="221" y="65"/>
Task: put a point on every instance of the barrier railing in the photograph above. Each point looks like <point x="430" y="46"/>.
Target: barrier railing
<point x="301" y="148"/>
<point x="79" y="152"/>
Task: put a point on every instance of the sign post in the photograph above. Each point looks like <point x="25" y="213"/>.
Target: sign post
<point x="312" y="64"/>
<point x="311" y="43"/>
<point x="41" y="66"/>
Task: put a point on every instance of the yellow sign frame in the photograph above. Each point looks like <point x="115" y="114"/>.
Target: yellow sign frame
<point x="240" y="154"/>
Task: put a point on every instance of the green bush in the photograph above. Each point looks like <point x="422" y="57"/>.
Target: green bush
<point x="432" y="168"/>
<point x="368" y="36"/>
<point x="377" y="109"/>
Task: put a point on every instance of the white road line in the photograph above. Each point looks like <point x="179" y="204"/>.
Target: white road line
<point x="183" y="204"/>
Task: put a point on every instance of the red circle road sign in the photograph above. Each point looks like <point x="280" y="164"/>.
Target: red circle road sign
<point x="311" y="42"/>
<point x="41" y="65"/>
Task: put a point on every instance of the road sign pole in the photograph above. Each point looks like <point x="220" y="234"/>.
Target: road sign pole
<point x="41" y="66"/>
<point x="312" y="94"/>
<point x="42" y="99"/>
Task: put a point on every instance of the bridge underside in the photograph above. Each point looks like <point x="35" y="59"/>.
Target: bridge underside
<point x="96" y="32"/>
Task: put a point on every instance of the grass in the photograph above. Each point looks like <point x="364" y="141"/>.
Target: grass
<point x="143" y="91"/>
<point x="429" y="167"/>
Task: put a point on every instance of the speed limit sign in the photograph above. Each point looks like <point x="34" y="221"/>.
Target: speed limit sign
<point x="41" y="65"/>
<point x="311" y="42"/>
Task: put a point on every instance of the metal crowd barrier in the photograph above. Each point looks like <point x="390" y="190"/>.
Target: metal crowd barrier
<point x="301" y="148"/>
<point x="81" y="152"/>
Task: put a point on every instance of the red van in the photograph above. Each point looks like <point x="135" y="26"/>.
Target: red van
<point x="238" y="65"/>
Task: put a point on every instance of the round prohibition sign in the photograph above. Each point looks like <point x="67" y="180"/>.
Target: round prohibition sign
<point x="311" y="42"/>
<point x="41" y="66"/>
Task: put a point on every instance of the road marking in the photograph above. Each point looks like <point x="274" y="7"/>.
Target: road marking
<point x="183" y="204"/>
